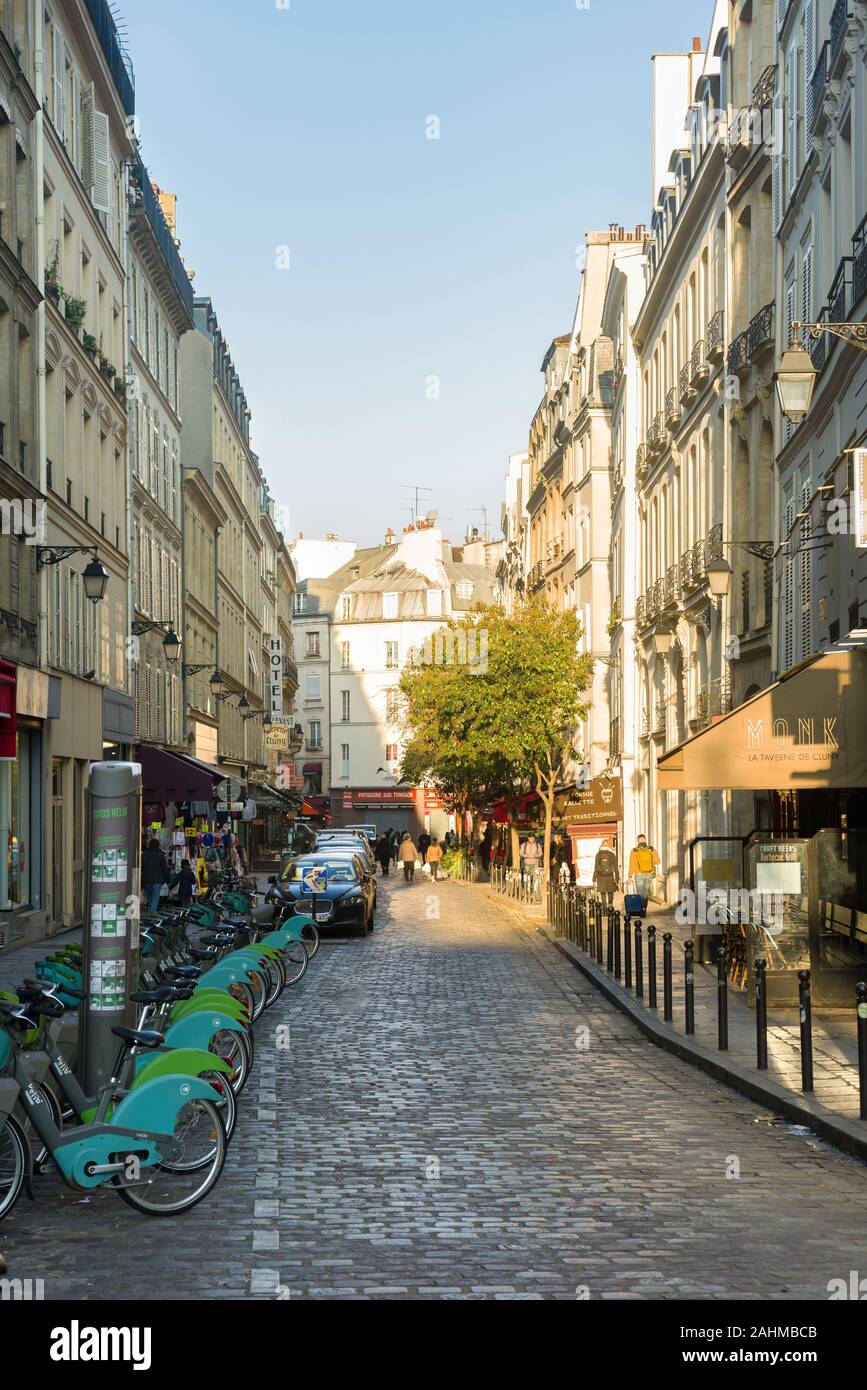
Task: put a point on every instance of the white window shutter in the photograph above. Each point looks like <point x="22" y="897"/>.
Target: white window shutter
<point x="778" y="161"/>
<point x="59" y="72"/>
<point x="782" y="6"/>
<point x="806" y="575"/>
<point x="792" y="119"/>
<point x="809" y="65"/>
<point x="807" y="286"/>
<point x="100" y="174"/>
<point x="75" y="117"/>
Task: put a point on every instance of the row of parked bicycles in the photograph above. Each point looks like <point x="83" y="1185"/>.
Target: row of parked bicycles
<point x="157" y="1131"/>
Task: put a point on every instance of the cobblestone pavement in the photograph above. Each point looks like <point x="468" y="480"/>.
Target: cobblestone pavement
<point x="434" y="1131"/>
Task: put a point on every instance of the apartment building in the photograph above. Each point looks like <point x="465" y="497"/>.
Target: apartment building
<point x="682" y="461"/>
<point x="513" y="568"/>
<point x="160" y="313"/>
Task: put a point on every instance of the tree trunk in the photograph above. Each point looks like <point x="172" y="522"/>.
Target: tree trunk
<point x="548" y="801"/>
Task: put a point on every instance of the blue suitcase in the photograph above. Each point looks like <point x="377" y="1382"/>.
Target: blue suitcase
<point x="633" y="905"/>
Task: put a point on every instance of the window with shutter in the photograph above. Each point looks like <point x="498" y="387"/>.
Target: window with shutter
<point x="75" y="117"/>
<point x="809" y="66"/>
<point x="806" y="574"/>
<point x="99" y="173"/>
<point x="778" y="160"/>
<point x="58" y="58"/>
<point x="791" y="120"/>
<point x="807" y="289"/>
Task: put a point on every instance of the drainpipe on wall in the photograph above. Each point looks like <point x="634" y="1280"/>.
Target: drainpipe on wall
<point x="42" y="435"/>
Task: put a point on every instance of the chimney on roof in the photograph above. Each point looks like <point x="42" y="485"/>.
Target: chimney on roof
<point x="696" y="45"/>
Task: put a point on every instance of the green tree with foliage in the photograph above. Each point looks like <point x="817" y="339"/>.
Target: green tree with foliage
<point x="504" y="722"/>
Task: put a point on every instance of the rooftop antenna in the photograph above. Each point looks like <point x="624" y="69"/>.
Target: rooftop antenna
<point x="484" y="512"/>
<point x="415" y="490"/>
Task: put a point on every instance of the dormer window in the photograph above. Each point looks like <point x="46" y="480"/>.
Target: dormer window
<point x="389" y="605"/>
<point x="464" y="589"/>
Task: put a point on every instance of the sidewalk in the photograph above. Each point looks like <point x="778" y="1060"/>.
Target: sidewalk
<point x="833" y="1108"/>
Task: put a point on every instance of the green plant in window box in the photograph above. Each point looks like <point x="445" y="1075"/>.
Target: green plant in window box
<point x="74" y="310"/>
<point x="90" y="345"/>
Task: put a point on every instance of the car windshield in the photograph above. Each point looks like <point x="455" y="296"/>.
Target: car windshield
<point x="337" y="870"/>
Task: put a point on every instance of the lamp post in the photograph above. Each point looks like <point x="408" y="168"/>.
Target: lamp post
<point x="171" y="641"/>
<point x="95" y="574"/>
<point x="795" y="377"/>
<point x="216" y="680"/>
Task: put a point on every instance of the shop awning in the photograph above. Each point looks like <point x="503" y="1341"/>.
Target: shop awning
<point x="172" y="777"/>
<point x="270" y="798"/>
<point x="308" y="809"/>
<point x="312" y="767"/>
<point x="806" y="731"/>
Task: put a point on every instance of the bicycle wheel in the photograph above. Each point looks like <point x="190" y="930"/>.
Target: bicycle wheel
<point x="13" y="1164"/>
<point x="259" y="989"/>
<point x="196" y="1162"/>
<point x="295" y="959"/>
<point x="276" y="980"/>
<point x="310" y="937"/>
<point x="237" y="1050"/>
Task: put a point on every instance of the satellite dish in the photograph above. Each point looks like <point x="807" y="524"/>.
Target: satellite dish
<point x="432" y="516"/>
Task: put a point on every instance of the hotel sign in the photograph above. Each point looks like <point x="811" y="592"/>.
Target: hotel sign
<point x="275" y="674"/>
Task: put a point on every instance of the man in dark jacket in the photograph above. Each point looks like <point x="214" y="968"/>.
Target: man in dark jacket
<point x="383" y="852"/>
<point x="185" y="881"/>
<point x="423" y="842"/>
<point x="154" y="873"/>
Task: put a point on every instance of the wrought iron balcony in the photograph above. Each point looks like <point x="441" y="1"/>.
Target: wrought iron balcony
<point x="859" y="262"/>
<point x="536" y="577"/>
<point x="818" y="347"/>
<point x="618" y="371"/>
<point x="713" y="545"/>
<point x="818" y="82"/>
<point x="672" y="408"/>
<point x="687" y="391"/>
<point x="119" y="61"/>
<point x="761" y="329"/>
<point x="839" y="16"/>
<point x="656" y="436"/>
<point x="715" y="336"/>
<point x="614" y="744"/>
<point x="713" y="701"/>
<point x="147" y="203"/>
<point x="738" y="354"/>
<point x="837" y="293"/>
<point x="699" y="367"/>
<point x="763" y="92"/>
<point x="672" y="585"/>
<point x="640" y="612"/>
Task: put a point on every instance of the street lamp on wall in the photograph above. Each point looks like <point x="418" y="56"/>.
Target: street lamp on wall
<point x="171" y="641"/>
<point x="95" y="575"/>
<point x="795" y="378"/>
<point x="662" y="639"/>
<point x="719" y="578"/>
<point x="215" y="682"/>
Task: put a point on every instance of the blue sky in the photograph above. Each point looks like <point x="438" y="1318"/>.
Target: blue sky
<point x="304" y="127"/>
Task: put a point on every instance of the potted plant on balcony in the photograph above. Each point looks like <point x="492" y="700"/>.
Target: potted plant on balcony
<point x="74" y="311"/>
<point x="53" y="287"/>
<point x="90" y="345"/>
<point x="120" y="388"/>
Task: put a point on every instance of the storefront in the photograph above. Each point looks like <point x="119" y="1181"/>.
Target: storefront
<point x="24" y="704"/>
<point x="804" y="741"/>
<point x="270" y="826"/>
<point x="592" y="815"/>
<point x="393" y="808"/>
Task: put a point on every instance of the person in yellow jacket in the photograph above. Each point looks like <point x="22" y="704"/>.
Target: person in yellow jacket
<point x="433" y="856"/>
<point x="643" y="861"/>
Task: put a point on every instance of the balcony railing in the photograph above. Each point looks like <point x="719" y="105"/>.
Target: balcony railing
<point x="164" y="239"/>
<point x="763" y="92"/>
<point x="672" y="408"/>
<point x="859" y="262"/>
<point x="839" y="16"/>
<point x="817" y="88"/>
<point x="536" y="577"/>
<point x="713" y="545"/>
<point x="618" y="371"/>
<point x="818" y="347"/>
<point x="687" y="392"/>
<point x="656" y="435"/>
<point x="837" y="293"/>
<point x="119" y="62"/>
<point x="715" y="335"/>
<point x="614" y="745"/>
<point x="713" y="701"/>
<point x="738" y="354"/>
<point x="761" y="329"/>
<point x="640" y="612"/>
<point x="672" y="585"/>
<point x="699" y="368"/>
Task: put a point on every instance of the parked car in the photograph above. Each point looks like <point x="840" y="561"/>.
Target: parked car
<point x="369" y="831"/>
<point x="348" y="897"/>
<point x="333" y="839"/>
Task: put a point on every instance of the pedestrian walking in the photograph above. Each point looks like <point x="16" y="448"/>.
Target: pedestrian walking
<point x="531" y="855"/>
<point x="383" y="852"/>
<point x="561" y="859"/>
<point x="643" y="862"/>
<point x="433" y="857"/>
<point x="395" y="846"/>
<point x="408" y="856"/>
<point x="605" y="872"/>
<point x="154" y="873"/>
<point x="423" y="842"/>
<point x="185" y="882"/>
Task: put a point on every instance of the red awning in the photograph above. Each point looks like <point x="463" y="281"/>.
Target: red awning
<point x="312" y="767"/>
<point x="500" y="814"/>
<point x="172" y="777"/>
<point x="308" y="809"/>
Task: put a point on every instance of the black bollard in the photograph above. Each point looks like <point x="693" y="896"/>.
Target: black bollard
<point x="627" y="951"/>
<point x="861" y="993"/>
<point x="806" y="1011"/>
<point x="667" y="1011"/>
<point x="689" y="986"/>
<point x="722" y="1001"/>
<point x="761" y="1016"/>
<point x="599" y="949"/>
<point x="617" y="945"/>
<point x="609" y="945"/>
<point x="639" y="962"/>
<point x="651" y="966"/>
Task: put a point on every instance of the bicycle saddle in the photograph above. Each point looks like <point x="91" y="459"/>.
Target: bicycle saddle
<point x="184" y="972"/>
<point x="201" y="955"/>
<point x="143" y="1038"/>
<point x="164" y="994"/>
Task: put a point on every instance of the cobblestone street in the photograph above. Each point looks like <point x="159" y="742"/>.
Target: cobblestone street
<point x="434" y="1131"/>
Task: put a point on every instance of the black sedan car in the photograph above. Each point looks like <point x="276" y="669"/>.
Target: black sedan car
<point x="335" y="889"/>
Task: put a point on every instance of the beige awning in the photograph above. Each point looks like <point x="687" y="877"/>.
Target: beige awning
<point x="808" y="730"/>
